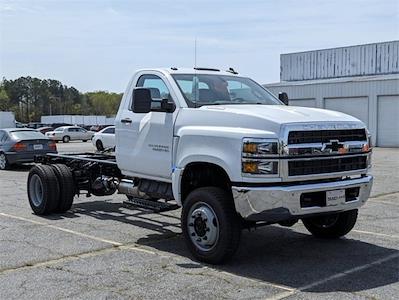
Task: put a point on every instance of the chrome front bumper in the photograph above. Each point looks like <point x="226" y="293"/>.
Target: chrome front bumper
<point x="279" y="203"/>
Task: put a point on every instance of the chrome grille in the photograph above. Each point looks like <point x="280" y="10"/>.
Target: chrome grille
<point x="318" y="153"/>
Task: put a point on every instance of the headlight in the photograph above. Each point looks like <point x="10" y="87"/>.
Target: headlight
<point x="259" y="147"/>
<point x="257" y="156"/>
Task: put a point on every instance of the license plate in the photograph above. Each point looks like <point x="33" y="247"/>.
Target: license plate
<point x="38" y="147"/>
<point x="335" y="197"/>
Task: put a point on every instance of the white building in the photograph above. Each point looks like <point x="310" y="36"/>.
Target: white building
<point x="362" y="81"/>
<point x="78" y="120"/>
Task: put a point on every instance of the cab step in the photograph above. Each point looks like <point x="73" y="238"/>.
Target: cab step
<point x="152" y="205"/>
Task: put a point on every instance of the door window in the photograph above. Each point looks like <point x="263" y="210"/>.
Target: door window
<point x="109" y="130"/>
<point x="157" y="87"/>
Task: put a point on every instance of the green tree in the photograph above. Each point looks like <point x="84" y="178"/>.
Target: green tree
<point x="5" y="103"/>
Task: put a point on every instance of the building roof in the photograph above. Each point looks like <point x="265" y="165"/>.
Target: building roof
<point x="336" y="80"/>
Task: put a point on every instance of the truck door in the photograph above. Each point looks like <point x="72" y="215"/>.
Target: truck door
<point x="144" y="145"/>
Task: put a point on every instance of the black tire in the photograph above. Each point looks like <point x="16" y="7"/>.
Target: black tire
<point x="4" y="164"/>
<point x="84" y="141"/>
<point x="45" y="201"/>
<point x="229" y="224"/>
<point x="99" y="145"/>
<point x="331" y="226"/>
<point x="66" y="139"/>
<point x="66" y="186"/>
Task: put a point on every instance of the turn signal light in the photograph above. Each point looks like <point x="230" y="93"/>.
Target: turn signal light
<point x="250" y="167"/>
<point x="365" y="148"/>
<point x="19" y="147"/>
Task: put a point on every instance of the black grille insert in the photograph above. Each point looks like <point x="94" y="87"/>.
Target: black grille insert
<point x="324" y="136"/>
<point x="329" y="165"/>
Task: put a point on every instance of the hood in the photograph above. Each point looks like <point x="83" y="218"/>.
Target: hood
<point x="264" y="120"/>
<point x="282" y="114"/>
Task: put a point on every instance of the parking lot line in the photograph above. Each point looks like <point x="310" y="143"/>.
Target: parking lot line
<point x="62" y="229"/>
<point x="59" y="260"/>
<point x="383" y="202"/>
<point x="377" y="234"/>
<point x="335" y="276"/>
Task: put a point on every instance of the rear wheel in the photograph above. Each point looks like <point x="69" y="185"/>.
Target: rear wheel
<point x="66" y="186"/>
<point x="331" y="226"/>
<point x="66" y="139"/>
<point x="4" y="165"/>
<point x="43" y="189"/>
<point x="84" y="141"/>
<point x="99" y="145"/>
<point x="210" y="225"/>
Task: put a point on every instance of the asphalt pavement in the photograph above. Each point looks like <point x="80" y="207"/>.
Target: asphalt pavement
<point x="100" y="249"/>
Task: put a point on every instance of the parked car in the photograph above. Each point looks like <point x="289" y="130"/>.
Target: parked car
<point x="35" y="125"/>
<point x="21" y="145"/>
<point x="70" y="133"/>
<point x="97" y="128"/>
<point x="105" y="138"/>
<point x="56" y="125"/>
<point x="45" y="129"/>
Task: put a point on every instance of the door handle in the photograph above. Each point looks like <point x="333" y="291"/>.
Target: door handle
<point x="126" y="120"/>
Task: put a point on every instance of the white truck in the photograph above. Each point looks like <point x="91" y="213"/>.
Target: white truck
<point x="226" y="151"/>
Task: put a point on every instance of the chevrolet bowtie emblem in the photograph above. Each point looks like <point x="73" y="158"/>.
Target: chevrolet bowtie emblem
<point x="334" y="146"/>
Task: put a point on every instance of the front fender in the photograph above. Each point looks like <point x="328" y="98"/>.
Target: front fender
<point x="221" y="151"/>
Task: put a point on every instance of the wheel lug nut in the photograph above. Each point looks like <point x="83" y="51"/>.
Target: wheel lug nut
<point x="198" y="240"/>
<point x="193" y="234"/>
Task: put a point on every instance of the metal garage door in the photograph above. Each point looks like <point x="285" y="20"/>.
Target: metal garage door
<point x="303" y="102"/>
<point x="357" y="107"/>
<point x="388" y="121"/>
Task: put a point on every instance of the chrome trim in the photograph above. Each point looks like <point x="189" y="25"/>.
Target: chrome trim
<point x="251" y="201"/>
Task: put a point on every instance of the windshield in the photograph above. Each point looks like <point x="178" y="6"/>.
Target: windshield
<point x="207" y="89"/>
<point x="27" y="135"/>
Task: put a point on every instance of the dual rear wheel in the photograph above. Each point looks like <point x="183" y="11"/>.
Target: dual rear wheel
<point x="51" y="189"/>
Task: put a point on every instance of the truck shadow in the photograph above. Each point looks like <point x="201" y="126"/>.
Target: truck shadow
<point x="272" y="254"/>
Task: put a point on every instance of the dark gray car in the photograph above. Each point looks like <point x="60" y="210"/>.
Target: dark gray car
<point x="21" y="145"/>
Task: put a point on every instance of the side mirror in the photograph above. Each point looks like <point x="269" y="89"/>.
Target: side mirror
<point x="283" y="97"/>
<point x="167" y="106"/>
<point x="141" y="100"/>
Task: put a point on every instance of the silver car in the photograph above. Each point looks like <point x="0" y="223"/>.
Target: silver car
<point x="21" y="145"/>
<point x="70" y="133"/>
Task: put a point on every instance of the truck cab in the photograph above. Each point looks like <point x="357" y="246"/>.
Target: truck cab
<point x="232" y="155"/>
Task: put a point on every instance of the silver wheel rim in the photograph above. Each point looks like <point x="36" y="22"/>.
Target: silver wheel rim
<point x="36" y="190"/>
<point x="203" y="226"/>
<point x="2" y="161"/>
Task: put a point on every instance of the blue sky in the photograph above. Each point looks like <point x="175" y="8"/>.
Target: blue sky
<point x="97" y="45"/>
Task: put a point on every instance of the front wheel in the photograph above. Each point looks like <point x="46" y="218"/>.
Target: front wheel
<point x="210" y="225"/>
<point x="331" y="226"/>
<point x="4" y="165"/>
<point x="66" y="139"/>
